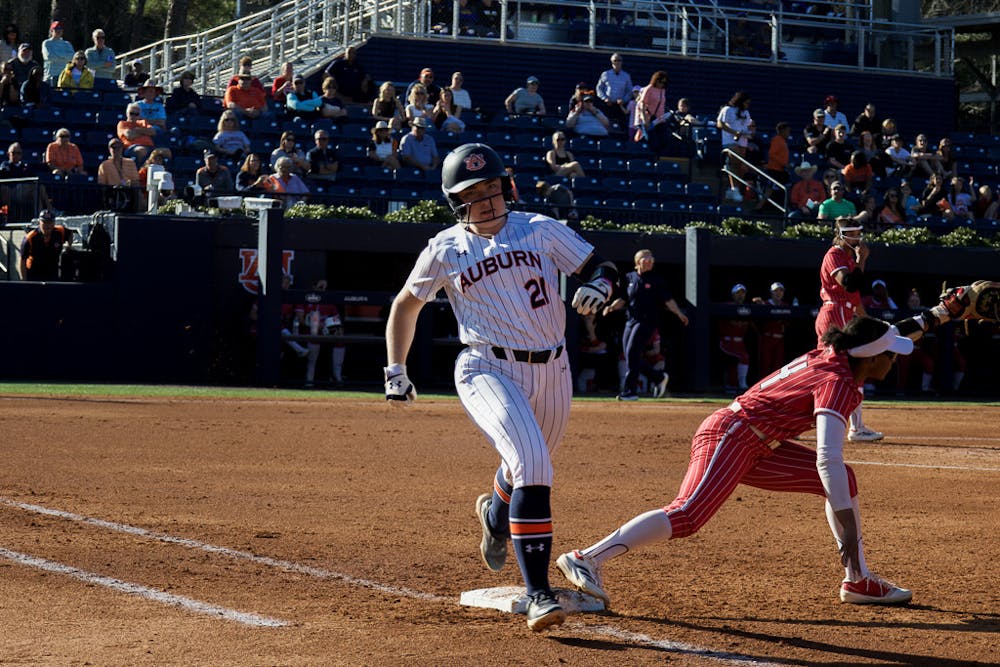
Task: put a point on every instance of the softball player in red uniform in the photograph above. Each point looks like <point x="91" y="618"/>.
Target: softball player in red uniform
<point x="500" y="271"/>
<point x="749" y="442"/>
<point x="732" y="342"/>
<point x="841" y="276"/>
<point x="771" y="344"/>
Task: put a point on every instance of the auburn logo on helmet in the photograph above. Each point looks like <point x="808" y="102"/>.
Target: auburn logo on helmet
<point x="475" y="162"/>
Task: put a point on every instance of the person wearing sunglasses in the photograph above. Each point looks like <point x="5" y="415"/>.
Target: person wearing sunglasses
<point x="62" y="156"/>
<point x="76" y="74"/>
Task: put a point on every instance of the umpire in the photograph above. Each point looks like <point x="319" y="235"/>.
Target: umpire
<point x="646" y="293"/>
<point x="42" y="248"/>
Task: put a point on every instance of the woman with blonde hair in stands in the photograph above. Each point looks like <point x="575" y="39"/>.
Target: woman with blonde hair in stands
<point x="418" y="106"/>
<point x="157" y="156"/>
<point x="77" y="74"/>
<point x="560" y="160"/>
<point x="387" y="107"/>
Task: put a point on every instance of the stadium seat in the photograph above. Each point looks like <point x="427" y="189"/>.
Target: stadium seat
<point x="700" y="191"/>
<point x="642" y="186"/>
<point x="640" y="166"/>
<point x="376" y="174"/>
<point x="673" y="190"/>
<point x="668" y="169"/>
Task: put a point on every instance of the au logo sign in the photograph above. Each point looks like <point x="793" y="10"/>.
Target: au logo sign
<point x="248" y="267"/>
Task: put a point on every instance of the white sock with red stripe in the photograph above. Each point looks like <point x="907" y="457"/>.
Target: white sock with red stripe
<point x="643" y="529"/>
<point x="857" y="423"/>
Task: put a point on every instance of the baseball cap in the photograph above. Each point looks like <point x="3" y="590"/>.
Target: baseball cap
<point x="298" y="77"/>
<point x="831" y="99"/>
<point x="739" y="286"/>
<point x="419" y="121"/>
<point x="580" y="85"/>
<point x="817" y="113"/>
<point x="589" y="98"/>
<point x="776" y="285"/>
<point x="24" y="47"/>
<point x="56" y="25"/>
<point x="532" y="79"/>
<point x="381" y="125"/>
<point x="426" y="70"/>
<point x="878" y="282"/>
<point x="47" y="215"/>
<point x="208" y="153"/>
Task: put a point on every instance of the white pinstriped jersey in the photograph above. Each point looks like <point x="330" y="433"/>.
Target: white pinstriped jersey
<point x="504" y="290"/>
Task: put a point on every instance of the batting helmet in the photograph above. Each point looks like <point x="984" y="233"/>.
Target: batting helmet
<point x="470" y="164"/>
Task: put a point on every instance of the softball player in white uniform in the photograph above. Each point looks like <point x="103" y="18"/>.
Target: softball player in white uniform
<point x="500" y="271"/>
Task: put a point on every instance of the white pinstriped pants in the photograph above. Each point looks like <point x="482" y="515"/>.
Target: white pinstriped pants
<point x="522" y="408"/>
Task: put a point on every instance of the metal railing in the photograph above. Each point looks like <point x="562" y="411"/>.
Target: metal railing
<point x="311" y="32"/>
<point x="772" y="184"/>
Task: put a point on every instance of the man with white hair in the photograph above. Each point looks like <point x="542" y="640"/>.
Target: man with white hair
<point x="614" y="87"/>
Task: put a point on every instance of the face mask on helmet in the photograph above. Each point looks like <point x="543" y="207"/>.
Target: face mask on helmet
<point x="466" y="166"/>
<point x="851" y="240"/>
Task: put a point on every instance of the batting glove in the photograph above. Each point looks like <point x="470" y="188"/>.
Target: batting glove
<point x="590" y="297"/>
<point x="398" y="388"/>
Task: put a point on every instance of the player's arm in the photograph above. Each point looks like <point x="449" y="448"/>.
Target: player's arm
<point x="675" y="309"/>
<point x="601" y="276"/>
<point x="399" y="332"/>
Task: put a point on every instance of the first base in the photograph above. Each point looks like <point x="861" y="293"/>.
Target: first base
<point x="514" y="599"/>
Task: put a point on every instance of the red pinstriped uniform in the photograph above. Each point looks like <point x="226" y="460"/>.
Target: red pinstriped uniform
<point x="839" y="305"/>
<point x="749" y="441"/>
<point x="732" y="339"/>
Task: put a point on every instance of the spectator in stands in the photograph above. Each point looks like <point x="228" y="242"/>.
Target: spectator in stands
<point x="911" y="205"/>
<point x="285" y="184"/>
<point x="734" y="122"/>
<point x="444" y="114"/>
<point x="836" y="206"/>
<point x="229" y="139"/>
<point x="136" y="75"/>
<point x="417" y="106"/>
<point x="651" y="105"/>
<point x="900" y="163"/>
<point x="282" y="84"/>
<point x="23" y="63"/>
<point x="587" y="120"/>
<point x="118" y="170"/>
<point x="960" y="202"/>
<point x="561" y="160"/>
<point x="866" y="121"/>
<point x="10" y="90"/>
<point x="777" y="153"/>
<point x="868" y="213"/>
<point x="818" y="136"/>
<point x="21" y="195"/>
<point x="417" y="149"/>
<point x="747" y="38"/>
<point x="838" y="151"/>
<point x="323" y="159"/>
<point x="874" y="155"/>
<point x="857" y="175"/>
<point x="631" y="113"/>
<point x="926" y="160"/>
<point x="468" y="20"/>
<point x="353" y="81"/>
<point x="986" y="205"/>
<point x="806" y="194"/>
<point x="614" y="87"/>
<point x="251" y="178"/>
<point x="831" y="115"/>
<point x="245" y="67"/>
<point x="214" y="178"/>
<point x="158" y="156"/>
<point x="526" y="100"/>
<point x="183" y="97"/>
<point x="333" y="106"/>
<point x="949" y="165"/>
<point x="884" y="137"/>
<point x="151" y="108"/>
<point x="459" y="94"/>
<point x="136" y="133"/>
<point x="287" y="148"/>
<point x="76" y="74"/>
<point x="489" y="19"/>
<point x="581" y="90"/>
<point x="426" y="79"/>
<point x="686" y="123"/>
<point x="305" y="104"/>
<point x="42" y="248"/>
<point x="892" y="214"/>
<point x="441" y="16"/>
<point x="101" y="57"/>
<point x="244" y="99"/>
<point x="62" y="156"/>
<point x="387" y="107"/>
<point x="934" y="193"/>
<point x="11" y="42"/>
<point x="383" y="149"/>
<point x="56" y="52"/>
<point x="561" y="202"/>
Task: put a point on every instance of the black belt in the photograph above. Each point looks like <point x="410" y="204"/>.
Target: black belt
<point x="528" y="356"/>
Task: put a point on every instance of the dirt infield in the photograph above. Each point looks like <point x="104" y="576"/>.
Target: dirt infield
<point x="338" y="531"/>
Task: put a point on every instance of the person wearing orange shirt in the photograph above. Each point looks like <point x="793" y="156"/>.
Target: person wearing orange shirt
<point x="136" y="134"/>
<point x="806" y="191"/>
<point x="245" y="99"/>
<point x="62" y="156"/>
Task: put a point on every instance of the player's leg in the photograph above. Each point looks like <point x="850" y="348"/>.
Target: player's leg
<point x="311" y="358"/>
<point x="337" y="362"/>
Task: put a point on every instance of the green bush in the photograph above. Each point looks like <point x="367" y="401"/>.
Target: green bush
<point x="909" y="236"/>
<point x="425" y="211"/>
<point x="319" y="211"/>
<point x="740" y="227"/>
<point x="964" y="237"/>
<point x="808" y="230"/>
<point x="594" y="224"/>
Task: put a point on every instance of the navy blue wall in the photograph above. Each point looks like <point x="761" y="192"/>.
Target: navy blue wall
<point x="780" y="92"/>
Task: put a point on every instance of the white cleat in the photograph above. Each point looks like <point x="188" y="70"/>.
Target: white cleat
<point x="864" y="434"/>
<point x="583" y="574"/>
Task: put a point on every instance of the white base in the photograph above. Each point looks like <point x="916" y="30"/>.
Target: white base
<point x="514" y="599"/>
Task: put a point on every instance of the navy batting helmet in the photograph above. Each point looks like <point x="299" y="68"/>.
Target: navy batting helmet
<point x="470" y="164"/>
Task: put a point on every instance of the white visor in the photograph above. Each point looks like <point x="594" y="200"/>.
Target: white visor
<point x="890" y="341"/>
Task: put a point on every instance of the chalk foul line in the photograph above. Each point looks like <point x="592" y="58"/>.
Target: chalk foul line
<point x="141" y="591"/>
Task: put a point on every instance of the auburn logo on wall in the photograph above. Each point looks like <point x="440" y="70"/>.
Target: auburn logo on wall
<point x="248" y="267"/>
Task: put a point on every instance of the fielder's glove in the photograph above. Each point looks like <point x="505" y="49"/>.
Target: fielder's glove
<point x="590" y="297"/>
<point x="978" y="301"/>
<point x="398" y="388"/>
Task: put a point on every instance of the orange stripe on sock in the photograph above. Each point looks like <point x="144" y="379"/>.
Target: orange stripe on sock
<point x="504" y="496"/>
<point x="522" y="529"/>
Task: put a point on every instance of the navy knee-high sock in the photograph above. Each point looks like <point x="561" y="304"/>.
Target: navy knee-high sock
<point x="500" y="507"/>
<point x="531" y="528"/>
